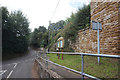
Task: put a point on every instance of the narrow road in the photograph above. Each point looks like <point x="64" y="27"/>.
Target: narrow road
<point x="19" y="67"/>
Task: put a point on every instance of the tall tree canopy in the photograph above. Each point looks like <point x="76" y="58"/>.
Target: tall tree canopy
<point x="56" y="26"/>
<point x="39" y="37"/>
<point x="15" y="32"/>
<point x="71" y="26"/>
<point x="77" y="21"/>
<point x="53" y="30"/>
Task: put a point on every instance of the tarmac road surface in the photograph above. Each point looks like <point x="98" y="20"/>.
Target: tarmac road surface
<point x="19" y="67"/>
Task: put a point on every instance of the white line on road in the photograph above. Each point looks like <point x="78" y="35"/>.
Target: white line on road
<point x="2" y="72"/>
<point x="10" y="74"/>
<point x="10" y="64"/>
<point x="15" y="65"/>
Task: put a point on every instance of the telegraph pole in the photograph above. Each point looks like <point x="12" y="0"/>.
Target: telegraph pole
<point x="49" y="36"/>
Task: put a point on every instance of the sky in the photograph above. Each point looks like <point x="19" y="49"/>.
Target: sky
<point x="40" y="12"/>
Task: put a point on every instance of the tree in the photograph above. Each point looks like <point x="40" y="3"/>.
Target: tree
<point x="45" y="39"/>
<point x="77" y="21"/>
<point x="39" y="37"/>
<point x="15" y="32"/>
<point x="56" y="26"/>
<point x="82" y="18"/>
<point x="34" y="39"/>
<point x="54" y="29"/>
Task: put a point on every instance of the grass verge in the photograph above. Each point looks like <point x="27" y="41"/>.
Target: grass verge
<point x="108" y="67"/>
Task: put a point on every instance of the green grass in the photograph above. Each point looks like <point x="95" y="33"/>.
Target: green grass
<point x="108" y="67"/>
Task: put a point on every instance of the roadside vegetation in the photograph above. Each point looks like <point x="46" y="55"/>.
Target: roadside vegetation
<point x="108" y="67"/>
<point x="15" y="33"/>
<point x="47" y="38"/>
<point x="69" y="28"/>
<point x="39" y="38"/>
<point x="16" y="38"/>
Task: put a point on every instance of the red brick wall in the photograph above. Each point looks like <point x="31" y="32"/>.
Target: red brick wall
<point x="107" y="14"/>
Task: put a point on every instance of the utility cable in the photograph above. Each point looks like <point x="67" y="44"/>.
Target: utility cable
<point x="55" y="10"/>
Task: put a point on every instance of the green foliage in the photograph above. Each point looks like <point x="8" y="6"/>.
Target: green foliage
<point x="34" y="39"/>
<point x="15" y="32"/>
<point x="69" y="28"/>
<point x="39" y="37"/>
<point x="55" y="31"/>
<point x="56" y="26"/>
<point x="82" y="18"/>
<point x="77" y="21"/>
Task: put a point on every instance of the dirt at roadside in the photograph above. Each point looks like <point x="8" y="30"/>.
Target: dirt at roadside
<point x="35" y="71"/>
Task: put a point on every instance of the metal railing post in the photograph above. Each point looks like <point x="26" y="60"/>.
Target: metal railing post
<point x="46" y="61"/>
<point x="40" y="54"/>
<point x="82" y="64"/>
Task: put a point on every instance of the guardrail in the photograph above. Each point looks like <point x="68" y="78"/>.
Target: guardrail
<point x="45" y="72"/>
<point x="82" y="61"/>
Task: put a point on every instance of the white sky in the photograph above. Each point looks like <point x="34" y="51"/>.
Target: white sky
<point x="39" y="12"/>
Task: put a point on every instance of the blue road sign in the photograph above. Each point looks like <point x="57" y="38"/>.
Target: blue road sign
<point x="96" y="25"/>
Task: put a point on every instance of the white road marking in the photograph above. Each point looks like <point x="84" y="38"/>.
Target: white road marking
<point x="9" y="64"/>
<point x="2" y="72"/>
<point x="15" y="65"/>
<point x="10" y="74"/>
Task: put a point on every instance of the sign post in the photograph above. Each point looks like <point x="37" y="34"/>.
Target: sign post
<point x="97" y="26"/>
<point x="61" y="44"/>
<point x="58" y="50"/>
<point x="98" y="39"/>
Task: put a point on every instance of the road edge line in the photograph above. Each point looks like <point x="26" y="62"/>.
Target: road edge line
<point x="10" y="74"/>
<point x="3" y="71"/>
<point x="15" y="65"/>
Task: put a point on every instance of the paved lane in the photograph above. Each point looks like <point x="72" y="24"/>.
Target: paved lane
<point x="19" y="67"/>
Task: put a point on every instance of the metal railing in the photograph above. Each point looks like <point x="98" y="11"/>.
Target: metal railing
<point x="82" y="62"/>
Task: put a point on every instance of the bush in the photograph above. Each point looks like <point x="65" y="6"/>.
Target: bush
<point x="15" y="32"/>
<point x="72" y="25"/>
<point x="76" y="22"/>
